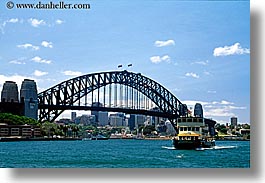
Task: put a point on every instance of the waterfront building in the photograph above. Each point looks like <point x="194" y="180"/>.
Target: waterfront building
<point x="19" y="130"/>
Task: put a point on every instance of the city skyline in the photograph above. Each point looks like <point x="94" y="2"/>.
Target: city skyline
<point x="194" y="49"/>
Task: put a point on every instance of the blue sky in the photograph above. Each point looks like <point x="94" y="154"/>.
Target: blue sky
<point x="199" y="50"/>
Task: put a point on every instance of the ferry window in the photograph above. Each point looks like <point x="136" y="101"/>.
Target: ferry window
<point x="181" y="128"/>
<point x="200" y="120"/>
<point x="189" y="119"/>
<point x="185" y="128"/>
<point x="189" y="128"/>
<point x="197" y="129"/>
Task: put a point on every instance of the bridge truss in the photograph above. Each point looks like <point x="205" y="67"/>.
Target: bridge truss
<point x="116" y="91"/>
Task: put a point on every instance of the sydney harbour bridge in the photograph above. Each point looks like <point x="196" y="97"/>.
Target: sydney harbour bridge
<point x="115" y="91"/>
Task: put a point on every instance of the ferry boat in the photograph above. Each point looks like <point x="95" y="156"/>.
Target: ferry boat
<point x="193" y="133"/>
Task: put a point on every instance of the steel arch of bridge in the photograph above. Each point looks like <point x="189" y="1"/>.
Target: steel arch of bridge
<point x="63" y="96"/>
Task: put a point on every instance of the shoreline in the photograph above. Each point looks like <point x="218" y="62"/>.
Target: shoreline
<point x="12" y="139"/>
<point x="16" y="139"/>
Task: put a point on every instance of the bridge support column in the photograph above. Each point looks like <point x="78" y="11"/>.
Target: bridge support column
<point x="29" y="96"/>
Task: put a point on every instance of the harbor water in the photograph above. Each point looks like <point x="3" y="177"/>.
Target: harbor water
<point x="121" y="154"/>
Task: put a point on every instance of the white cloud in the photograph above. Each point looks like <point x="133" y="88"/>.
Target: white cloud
<point x="40" y="60"/>
<point x="235" y="49"/>
<point x="28" y="45"/>
<point x="191" y="74"/>
<point x="164" y="43"/>
<point x="211" y="91"/>
<point x="155" y="59"/>
<point x="193" y="102"/>
<point x="12" y="20"/>
<point x="200" y="62"/>
<point x="17" y="62"/>
<point x="158" y="59"/>
<point x="223" y="102"/>
<point x="39" y="73"/>
<point x="58" y="21"/>
<point x="47" y="44"/>
<point x="72" y="73"/>
<point x="236" y="107"/>
<point x="221" y="108"/>
<point x="166" y="58"/>
<point x="219" y="112"/>
<point x="35" y="22"/>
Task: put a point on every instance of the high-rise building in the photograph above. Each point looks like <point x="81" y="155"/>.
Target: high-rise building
<point x="86" y="120"/>
<point x="116" y="120"/>
<point x="139" y="120"/>
<point x="234" y="121"/>
<point x="29" y="96"/>
<point x="103" y="118"/>
<point x="96" y="104"/>
<point x="131" y="121"/>
<point x="154" y="120"/>
<point x="73" y="116"/>
<point x="9" y="92"/>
